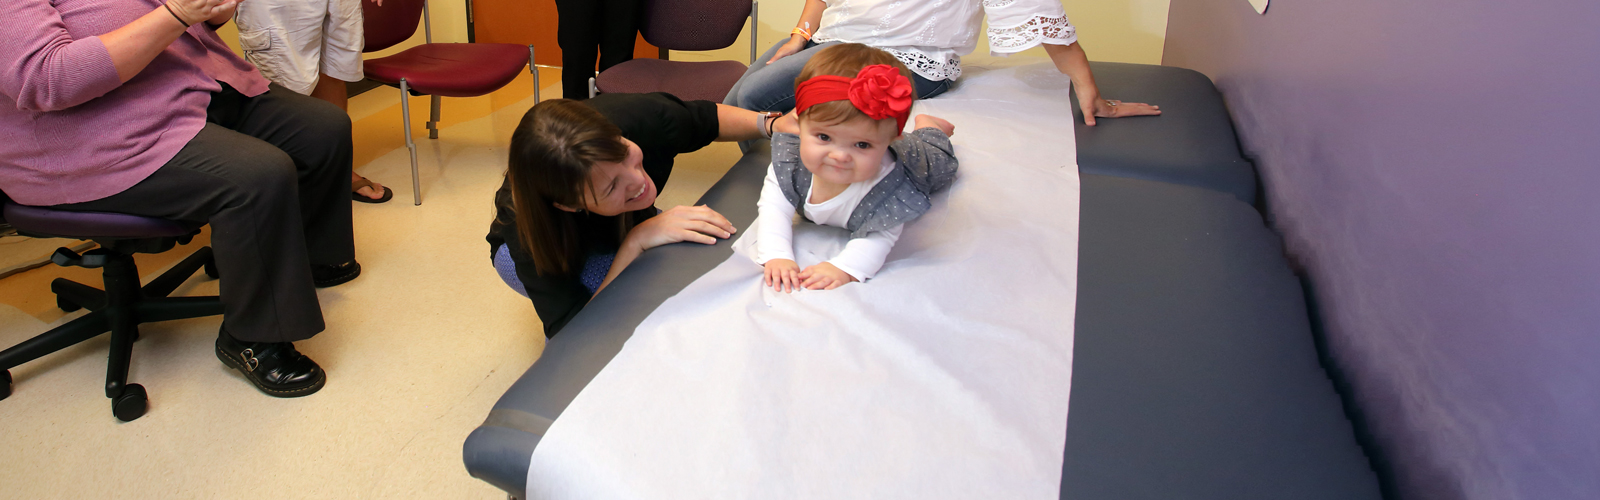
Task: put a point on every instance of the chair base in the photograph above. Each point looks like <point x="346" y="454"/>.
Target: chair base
<point x="119" y="309"/>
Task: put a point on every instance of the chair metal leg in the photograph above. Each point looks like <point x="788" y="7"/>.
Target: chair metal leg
<point x="405" y="118"/>
<point x="755" y="20"/>
<point x="533" y="67"/>
<point x="163" y="285"/>
<point x="433" y="117"/>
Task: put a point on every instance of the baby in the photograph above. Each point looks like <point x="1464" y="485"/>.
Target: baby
<point x="849" y="167"/>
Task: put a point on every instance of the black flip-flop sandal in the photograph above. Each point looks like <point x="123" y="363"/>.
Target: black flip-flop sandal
<point x="388" y="194"/>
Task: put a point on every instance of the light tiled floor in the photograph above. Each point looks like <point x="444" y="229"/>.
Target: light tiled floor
<point x="417" y="349"/>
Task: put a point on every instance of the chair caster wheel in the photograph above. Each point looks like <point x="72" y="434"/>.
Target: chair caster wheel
<point x="211" y="269"/>
<point x="5" y="384"/>
<point x="131" y="404"/>
<point x="66" y="305"/>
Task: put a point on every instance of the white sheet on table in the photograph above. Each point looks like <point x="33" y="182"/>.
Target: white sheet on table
<point x="946" y="376"/>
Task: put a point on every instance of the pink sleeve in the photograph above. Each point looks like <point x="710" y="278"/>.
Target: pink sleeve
<point x="42" y="68"/>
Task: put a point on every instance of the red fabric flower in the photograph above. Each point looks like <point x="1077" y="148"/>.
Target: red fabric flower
<point x="881" y="92"/>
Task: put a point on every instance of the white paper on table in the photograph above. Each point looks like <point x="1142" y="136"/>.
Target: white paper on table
<point x="945" y="376"/>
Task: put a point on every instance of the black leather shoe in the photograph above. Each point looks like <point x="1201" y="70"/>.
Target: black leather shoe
<point x="274" y="367"/>
<point x="326" y="276"/>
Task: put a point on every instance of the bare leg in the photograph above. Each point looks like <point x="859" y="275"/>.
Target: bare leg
<point x="333" y="90"/>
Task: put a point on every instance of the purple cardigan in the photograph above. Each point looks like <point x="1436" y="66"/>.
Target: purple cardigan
<point x="70" y="131"/>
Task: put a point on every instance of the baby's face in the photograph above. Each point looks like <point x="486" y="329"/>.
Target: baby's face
<point x="847" y="152"/>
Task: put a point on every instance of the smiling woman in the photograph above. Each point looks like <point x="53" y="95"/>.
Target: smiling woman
<point x="578" y="203"/>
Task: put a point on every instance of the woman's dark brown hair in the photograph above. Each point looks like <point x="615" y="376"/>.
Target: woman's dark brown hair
<point x="552" y="151"/>
<point x="845" y="59"/>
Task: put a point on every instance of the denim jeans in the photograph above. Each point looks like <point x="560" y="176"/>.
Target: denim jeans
<point x="770" y="87"/>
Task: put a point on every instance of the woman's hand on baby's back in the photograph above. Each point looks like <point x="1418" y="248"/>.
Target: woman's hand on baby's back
<point x="699" y="224"/>
<point x="782" y="275"/>
<point x="925" y="121"/>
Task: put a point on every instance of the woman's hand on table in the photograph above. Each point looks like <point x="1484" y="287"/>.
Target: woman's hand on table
<point x="699" y="224"/>
<point x="824" y="276"/>
<point x="1096" y="106"/>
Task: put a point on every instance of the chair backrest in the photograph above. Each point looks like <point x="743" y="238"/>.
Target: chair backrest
<point x="387" y="25"/>
<point x="693" y="24"/>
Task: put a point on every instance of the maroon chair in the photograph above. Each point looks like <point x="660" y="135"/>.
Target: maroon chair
<point x="435" y="69"/>
<point x="684" y="25"/>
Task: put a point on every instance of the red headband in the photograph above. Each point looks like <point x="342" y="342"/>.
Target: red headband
<point x="878" y="90"/>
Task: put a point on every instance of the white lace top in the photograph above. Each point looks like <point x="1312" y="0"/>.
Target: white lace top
<point x="931" y="35"/>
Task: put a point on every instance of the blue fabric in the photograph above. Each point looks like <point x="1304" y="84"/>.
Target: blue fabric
<point x="595" y="269"/>
<point x="508" y="270"/>
<point x="771" y="88"/>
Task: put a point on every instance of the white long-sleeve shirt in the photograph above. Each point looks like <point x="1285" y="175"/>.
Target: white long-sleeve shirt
<point x="930" y="36"/>
<point x="861" y="257"/>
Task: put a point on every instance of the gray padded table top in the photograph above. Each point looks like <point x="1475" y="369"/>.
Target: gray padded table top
<point x="1194" y="371"/>
<point x="1192" y="143"/>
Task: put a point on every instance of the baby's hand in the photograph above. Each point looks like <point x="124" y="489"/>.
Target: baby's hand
<point x="824" y="276"/>
<point x="782" y="275"/>
<point x="924" y="121"/>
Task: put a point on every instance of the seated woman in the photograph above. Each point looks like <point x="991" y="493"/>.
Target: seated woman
<point x="578" y="202"/>
<point x="137" y="107"/>
<point x="930" y="38"/>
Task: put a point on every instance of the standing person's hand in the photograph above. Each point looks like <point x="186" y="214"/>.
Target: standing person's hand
<point x="377" y="2"/>
<point x="1095" y="106"/>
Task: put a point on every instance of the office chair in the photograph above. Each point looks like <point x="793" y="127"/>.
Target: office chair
<point x="123" y="305"/>
<point x="684" y="25"/>
<point x="435" y="69"/>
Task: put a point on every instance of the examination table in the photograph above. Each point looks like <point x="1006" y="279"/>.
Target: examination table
<point x="1194" y="374"/>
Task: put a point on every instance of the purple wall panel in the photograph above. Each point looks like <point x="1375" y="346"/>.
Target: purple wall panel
<point x="1434" y="167"/>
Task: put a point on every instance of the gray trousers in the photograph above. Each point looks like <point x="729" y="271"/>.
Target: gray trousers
<point x="271" y="175"/>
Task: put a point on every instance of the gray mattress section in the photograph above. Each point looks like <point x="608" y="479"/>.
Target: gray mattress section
<point x="1194" y="373"/>
<point x="1192" y="143"/>
<point x="1194" y="369"/>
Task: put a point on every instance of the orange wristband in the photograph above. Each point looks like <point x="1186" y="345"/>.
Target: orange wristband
<point x="801" y="31"/>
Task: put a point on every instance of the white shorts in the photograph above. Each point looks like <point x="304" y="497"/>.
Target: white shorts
<point x="291" y="41"/>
